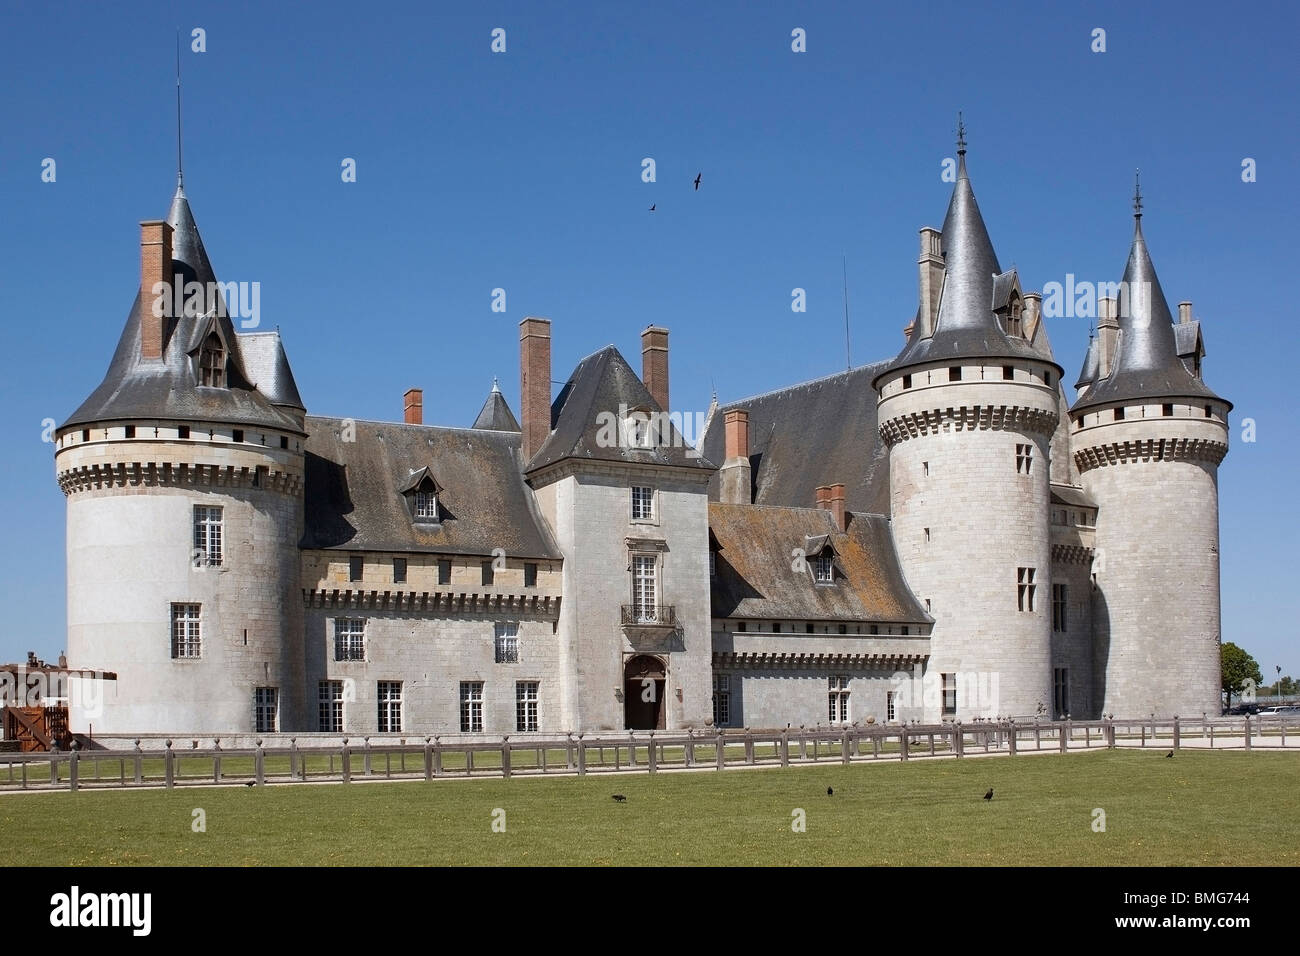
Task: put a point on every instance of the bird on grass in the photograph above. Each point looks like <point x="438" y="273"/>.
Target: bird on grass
<point x="697" y="181"/>
<point x="250" y="783"/>
<point x="620" y="798"/>
<point x="1170" y="754"/>
<point x="830" y="791"/>
<point x="989" y="795"/>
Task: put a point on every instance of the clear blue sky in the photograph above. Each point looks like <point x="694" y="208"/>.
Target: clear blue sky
<point x="522" y="171"/>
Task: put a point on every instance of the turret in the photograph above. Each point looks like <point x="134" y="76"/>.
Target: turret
<point x="183" y="475"/>
<point x="967" y="411"/>
<point x="1148" y="436"/>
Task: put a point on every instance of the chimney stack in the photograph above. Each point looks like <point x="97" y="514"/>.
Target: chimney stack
<point x="1032" y="315"/>
<point x="824" y="497"/>
<point x="654" y="364"/>
<point x="155" y="267"/>
<point x="1184" y="313"/>
<point x="931" y="269"/>
<point x="1107" y="333"/>
<point x="534" y="383"/>
<point x="835" y="501"/>
<point x="414" y="406"/>
<point x="736" y="483"/>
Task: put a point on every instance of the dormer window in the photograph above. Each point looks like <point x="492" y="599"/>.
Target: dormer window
<point x="1013" y="316"/>
<point x="639" y="430"/>
<point x="824" y="568"/>
<point x="426" y="506"/>
<point x="212" y="362"/>
<point x="421" y="492"/>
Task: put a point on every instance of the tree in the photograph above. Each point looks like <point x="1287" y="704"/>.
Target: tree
<point x="1237" y="668"/>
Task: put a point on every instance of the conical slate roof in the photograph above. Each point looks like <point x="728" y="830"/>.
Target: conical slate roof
<point x="1146" y="364"/>
<point x="136" y="388"/>
<point x="1091" y="364"/>
<point x="496" y="416"/>
<point x="966" y="326"/>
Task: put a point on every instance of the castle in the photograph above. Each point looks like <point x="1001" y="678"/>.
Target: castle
<point x="941" y="535"/>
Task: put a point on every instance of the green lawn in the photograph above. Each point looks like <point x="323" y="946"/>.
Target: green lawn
<point x="1198" y="808"/>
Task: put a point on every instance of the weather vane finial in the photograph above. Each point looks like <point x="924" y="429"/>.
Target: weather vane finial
<point x="1137" y="194"/>
<point x="180" y="166"/>
<point x="961" y="136"/>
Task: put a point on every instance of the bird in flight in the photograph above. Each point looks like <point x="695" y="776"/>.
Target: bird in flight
<point x="989" y="795"/>
<point x="697" y="181"/>
<point x="620" y="798"/>
<point x="652" y="206"/>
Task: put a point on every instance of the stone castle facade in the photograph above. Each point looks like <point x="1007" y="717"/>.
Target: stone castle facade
<point x="942" y="535"/>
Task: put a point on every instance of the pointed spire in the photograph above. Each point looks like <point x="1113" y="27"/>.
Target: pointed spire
<point x="495" y="414"/>
<point x="1137" y="195"/>
<point x="496" y="386"/>
<point x="969" y="260"/>
<point x="180" y="165"/>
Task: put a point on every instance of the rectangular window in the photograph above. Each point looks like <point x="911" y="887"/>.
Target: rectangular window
<point x="825" y="568"/>
<point x="208" y="533"/>
<point x="265" y="706"/>
<point x="182" y="431"/>
<point x="129" y="431"/>
<point x="890" y="710"/>
<point x="844" y="629"/>
<point x="1047" y="379"/>
<point x="721" y="700"/>
<point x="838" y="699"/>
<point x="874" y="629"/>
<point x="1209" y="412"/>
<point x="349" y="639"/>
<point x="1119" y="414"/>
<point x="506" y="642"/>
<point x="1061" y="691"/>
<point x="329" y="711"/>
<point x="1025" y="588"/>
<point x="284" y="441"/>
<point x="954" y="374"/>
<point x="927" y="535"/>
<point x="907" y="381"/>
<point x="776" y="627"/>
<point x="526" y="705"/>
<point x="643" y="503"/>
<point x="645" y="586"/>
<point x="489" y="574"/>
<point x="808" y="627"/>
<point x="1059" y="597"/>
<point x="950" y="693"/>
<point x="399" y="570"/>
<point x="925" y="468"/>
<point x="742" y="625"/>
<point x="1008" y="372"/>
<point x="85" y="434"/>
<point x="471" y="707"/>
<point x="530" y="574"/>
<point x="237" y="435"/>
<point x="186" y="636"/>
<point x="1024" y="459"/>
<point x="390" y="706"/>
<point x="426" y="506"/>
<point x="444" y="571"/>
<point x="356" y="564"/>
<point x="1166" y="410"/>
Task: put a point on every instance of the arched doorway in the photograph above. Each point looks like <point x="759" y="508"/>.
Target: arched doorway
<point x="643" y="693"/>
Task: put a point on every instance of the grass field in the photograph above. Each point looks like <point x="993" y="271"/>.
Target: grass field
<point x="1196" y="809"/>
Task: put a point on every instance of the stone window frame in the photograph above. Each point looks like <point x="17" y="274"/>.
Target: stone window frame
<point x="837" y="691"/>
<point x="349" y="639"/>
<point x="471" y="706"/>
<point x="505" y="642"/>
<point x="390" y="705"/>
<point x="329" y="694"/>
<point x="266" y="709"/>
<point x="649" y="501"/>
<point x="186" y="631"/>
<point x="528" y="704"/>
<point x="209" y="536"/>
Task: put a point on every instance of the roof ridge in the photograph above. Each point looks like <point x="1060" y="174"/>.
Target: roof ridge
<point x="377" y="421"/>
<point x="811" y="381"/>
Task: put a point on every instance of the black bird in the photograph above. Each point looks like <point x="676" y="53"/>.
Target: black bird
<point x="830" y="791"/>
<point x="250" y="783"/>
<point x="697" y="181"/>
<point x="1170" y="754"/>
<point x="989" y="795"/>
<point x="652" y="206"/>
<point x="620" y="798"/>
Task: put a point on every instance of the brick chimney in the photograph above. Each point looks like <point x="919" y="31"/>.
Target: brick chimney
<point x="824" y="497"/>
<point x="735" y="475"/>
<point x="931" y="267"/>
<point x="654" y="364"/>
<point x="534" y="383"/>
<point x="1107" y="334"/>
<point x="835" y="502"/>
<point x="414" y="406"/>
<point x="155" y="267"/>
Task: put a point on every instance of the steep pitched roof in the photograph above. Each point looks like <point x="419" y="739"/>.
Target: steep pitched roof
<point x="1147" y="363"/>
<point x="754" y="577"/>
<point x="268" y="368"/>
<point x="821" y="432"/>
<point x="354" y="489"/>
<point x="1091" y="364"/>
<point x="135" y="388"/>
<point x="586" y="418"/>
<point x="496" y="414"/>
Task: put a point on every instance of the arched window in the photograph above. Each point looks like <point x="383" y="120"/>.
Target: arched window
<point x="212" y="362"/>
<point x="1013" y="316"/>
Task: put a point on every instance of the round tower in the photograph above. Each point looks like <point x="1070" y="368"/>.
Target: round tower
<point x="967" y="411"/>
<point x="1148" y="436"/>
<point x="183" y="473"/>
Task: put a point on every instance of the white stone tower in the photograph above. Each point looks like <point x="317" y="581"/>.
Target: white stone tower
<point x="1148" y="436"/>
<point x="183" y="474"/>
<point x="968" y="410"/>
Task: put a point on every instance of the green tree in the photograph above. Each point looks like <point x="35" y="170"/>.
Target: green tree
<point x="1238" y="668"/>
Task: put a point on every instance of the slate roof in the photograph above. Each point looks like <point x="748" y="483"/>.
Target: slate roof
<point x="815" y="433"/>
<point x="1147" y="363"/>
<point x="1070" y="495"/>
<point x="167" y="389"/>
<point x="754" y="578"/>
<point x="354" y="501"/>
<point x="1091" y="363"/>
<point x="268" y="368"/>
<point x="973" y="283"/>
<point x="601" y="385"/>
<point x="496" y="414"/>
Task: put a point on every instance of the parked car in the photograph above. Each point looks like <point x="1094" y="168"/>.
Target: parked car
<point x="1280" y="710"/>
<point x="1238" y="710"/>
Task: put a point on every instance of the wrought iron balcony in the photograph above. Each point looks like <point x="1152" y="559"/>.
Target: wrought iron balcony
<point x="649" y="615"/>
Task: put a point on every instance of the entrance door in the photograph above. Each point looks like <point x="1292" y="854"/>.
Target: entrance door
<point x="643" y="693"/>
